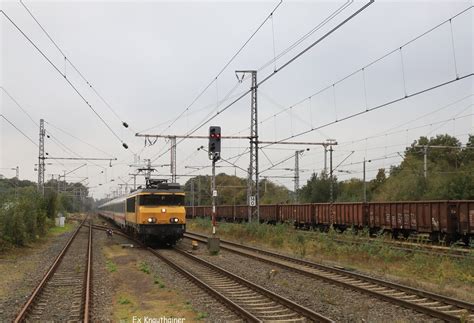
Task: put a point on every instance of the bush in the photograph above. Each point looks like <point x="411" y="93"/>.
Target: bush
<point x="22" y="218"/>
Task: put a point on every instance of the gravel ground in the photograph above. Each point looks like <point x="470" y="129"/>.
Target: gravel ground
<point x="25" y="272"/>
<point x="337" y="303"/>
<point x="199" y="300"/>
<point x="102" y="285"/>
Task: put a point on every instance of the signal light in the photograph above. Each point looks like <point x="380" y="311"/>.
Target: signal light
<point x="214" y="143"/>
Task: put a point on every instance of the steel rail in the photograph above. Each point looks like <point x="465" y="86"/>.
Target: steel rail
<point x="306" y="312"/>
<point x="201" y="284"/>
<point x="24" y="310"/>
<point x="416" y="247"/>
<point x="234" y="247"/>
<point x="88" y="279"/>
<point x="214" y="293"/>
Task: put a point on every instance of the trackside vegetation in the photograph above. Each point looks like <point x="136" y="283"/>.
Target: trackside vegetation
<point x="454" y="277"/>
<point x="26" y="215"/>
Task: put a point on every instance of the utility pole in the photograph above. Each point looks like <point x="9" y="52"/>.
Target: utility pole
<point x="173" y="159"/>
<point x="365" y="183"/>
<point x="297" y="173"/>
<point x="253" y="185"/>
<point x="331" y="187"/>
<point x="41" y="165"/>
<point x="214" y="195"/>
<point x="17" y="169"/>
<point x="328" y="142"/>
<point x="425" y="161"/>
<point x="192" y="197"/>
<point x="325" y="159"/>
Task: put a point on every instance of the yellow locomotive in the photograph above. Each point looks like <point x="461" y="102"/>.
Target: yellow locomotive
<point x="154" y="214"/>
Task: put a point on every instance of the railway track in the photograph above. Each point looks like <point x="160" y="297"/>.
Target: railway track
<point x="64" y="292"/>
<point x="247" y="300"/>
<point x="442" y="251"/>
<point x="438" y="306"/>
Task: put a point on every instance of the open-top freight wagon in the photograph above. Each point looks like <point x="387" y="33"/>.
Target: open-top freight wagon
<point x="447" y="220"/>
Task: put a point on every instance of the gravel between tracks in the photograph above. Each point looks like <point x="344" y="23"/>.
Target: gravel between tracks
<point x="339" y="304"/>
<point x="198" y="298"/>
<point x="24" y="273"/>
<point x="102" y="285"/>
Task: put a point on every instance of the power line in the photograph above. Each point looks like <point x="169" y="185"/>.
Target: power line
<point x="362" y="69"/>
<point x="73" y="66"/>
<point x="405" y="123"/>
<point x="79" y="139"/>
<point x="24" y="135"/>
<point x="278" y="70"/>
<point x="405" y="97"/>
<point x="65" y="78"/>
<point x="19" y="106"/>
<point x="223" y="68"/>
<point x="308" y="34"/>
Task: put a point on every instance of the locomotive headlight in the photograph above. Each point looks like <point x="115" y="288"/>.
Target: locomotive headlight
<point x="163" y="210"/>
<point x="176" y="220"/>
<point x="151" y="220"/>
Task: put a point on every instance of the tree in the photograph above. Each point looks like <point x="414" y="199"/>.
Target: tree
<point x="317" y="189"/>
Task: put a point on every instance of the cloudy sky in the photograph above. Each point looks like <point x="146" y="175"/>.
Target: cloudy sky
<point x="150" y="60"/>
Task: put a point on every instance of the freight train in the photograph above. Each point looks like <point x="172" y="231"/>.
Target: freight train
<point x="154" y="214"/>
<point x="444" y="220"/>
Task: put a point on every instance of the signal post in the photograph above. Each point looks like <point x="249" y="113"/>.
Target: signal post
<point x="214" y="155"/>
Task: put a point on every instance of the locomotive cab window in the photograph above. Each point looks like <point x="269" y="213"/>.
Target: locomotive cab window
<point x="131" y="205"/>
<point x="154" y="199"/>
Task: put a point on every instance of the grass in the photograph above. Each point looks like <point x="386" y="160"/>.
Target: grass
<point x="111" y="266"/>
<point x="123" y="301"/>
<point x="55" y="231"/>
<point x="143" y="266"/>
<point x="454" y="277"/>
<point x="201" y="315"/>
<point x="157" y="281"/>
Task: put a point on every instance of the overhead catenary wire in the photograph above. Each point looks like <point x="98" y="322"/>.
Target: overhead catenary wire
<point x="222" y="69"/>
<point x="66" y="59"/>
<point x="363" y="69"/>
<point x="78" y="139"/>
<point x="277" y="70"/>
<point x="19" y="130"/>
<point x="388" y="131"/>
<point x="374" y="108"/>
<point x="65" y="78"/>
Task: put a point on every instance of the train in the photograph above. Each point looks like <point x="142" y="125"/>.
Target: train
<point x="154" y="214"/>
<point x="443" y="220"/>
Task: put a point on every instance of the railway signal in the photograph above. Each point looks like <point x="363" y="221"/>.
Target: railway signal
<point x="214" y="143"/>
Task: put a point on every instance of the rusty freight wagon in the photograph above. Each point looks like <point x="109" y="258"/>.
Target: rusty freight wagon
<point x="441" y="220"/>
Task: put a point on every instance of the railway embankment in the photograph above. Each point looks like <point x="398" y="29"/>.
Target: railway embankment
<point x="25" y="267"/>
<point x="450" y="276"/>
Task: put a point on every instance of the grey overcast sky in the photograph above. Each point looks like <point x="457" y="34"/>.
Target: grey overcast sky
<point x="149" y="60"/>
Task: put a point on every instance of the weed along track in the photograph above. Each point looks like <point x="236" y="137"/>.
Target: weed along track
<point x="438" y="306"/>
<point x="64" y="292"/>
<point x="252" y="302"/>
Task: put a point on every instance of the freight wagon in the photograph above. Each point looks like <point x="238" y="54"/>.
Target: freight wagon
<point x="442" y="220"/>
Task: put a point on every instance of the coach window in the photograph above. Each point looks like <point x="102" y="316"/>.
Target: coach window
<point x="131" y="205"/>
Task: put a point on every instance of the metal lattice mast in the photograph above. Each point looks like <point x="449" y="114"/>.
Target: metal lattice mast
<point x="173" y="159"/>
<point x="252" y="182"/>
<point x="41" y="163"/>
<point x="297" y="173"/>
